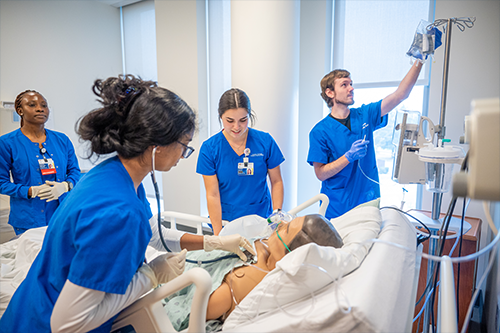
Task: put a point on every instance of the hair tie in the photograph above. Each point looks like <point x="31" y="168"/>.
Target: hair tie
<point x="125" y="102"/>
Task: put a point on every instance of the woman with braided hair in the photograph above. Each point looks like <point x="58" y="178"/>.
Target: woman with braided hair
<point x="91" y="264"/>
<point x="42" y="163"/>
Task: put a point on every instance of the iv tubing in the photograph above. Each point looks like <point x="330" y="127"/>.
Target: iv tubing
<point x="429" y="294"/>
<point x="359" y="165"/>
<point x="437" y="258"/>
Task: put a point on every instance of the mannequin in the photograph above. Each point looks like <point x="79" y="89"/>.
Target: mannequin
<point x="300" y="231"/>
<point x="287" y="237"/>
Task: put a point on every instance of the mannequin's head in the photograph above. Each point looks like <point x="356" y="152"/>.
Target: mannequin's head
<point x="303" y="230"/>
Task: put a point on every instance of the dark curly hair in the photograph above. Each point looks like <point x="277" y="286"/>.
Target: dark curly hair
<point x="135" y="115"/>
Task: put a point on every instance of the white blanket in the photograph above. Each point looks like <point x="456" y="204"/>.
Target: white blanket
<point x="16" y="258"/>
<point x="380" y="291"/>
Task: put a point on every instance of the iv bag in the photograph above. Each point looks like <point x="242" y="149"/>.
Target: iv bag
<point x="424" y="42"/>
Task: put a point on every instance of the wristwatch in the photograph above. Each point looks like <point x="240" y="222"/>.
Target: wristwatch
<point x="70" y="185"/>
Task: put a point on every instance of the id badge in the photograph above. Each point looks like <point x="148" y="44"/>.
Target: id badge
<point x="47" y="166"/>
<point x="245" y="170"/>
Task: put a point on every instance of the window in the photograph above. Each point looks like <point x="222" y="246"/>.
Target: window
<point x="139" y="47"/>
<point x="391" y="192"/>
<point x="371" y="39"/>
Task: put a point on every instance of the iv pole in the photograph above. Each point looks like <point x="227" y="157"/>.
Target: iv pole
<point x="440" y="130"/>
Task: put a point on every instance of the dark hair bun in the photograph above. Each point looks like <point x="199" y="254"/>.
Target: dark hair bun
<point x="135" y="114"/>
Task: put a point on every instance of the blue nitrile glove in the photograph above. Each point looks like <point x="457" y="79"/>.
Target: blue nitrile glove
<point x="358" y="150"/>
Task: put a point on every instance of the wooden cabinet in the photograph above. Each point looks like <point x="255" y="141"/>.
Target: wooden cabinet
<point x="467" y="270"/>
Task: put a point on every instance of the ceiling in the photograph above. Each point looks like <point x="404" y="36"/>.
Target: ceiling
<point x="118" y="3"/>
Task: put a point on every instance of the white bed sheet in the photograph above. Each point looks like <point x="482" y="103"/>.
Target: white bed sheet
<point x="16" y="258"/>
<point x="381" y="292"/>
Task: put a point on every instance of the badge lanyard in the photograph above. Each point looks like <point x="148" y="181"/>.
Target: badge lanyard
<point x="47" y="166"/>
<point x="245" y="168"/>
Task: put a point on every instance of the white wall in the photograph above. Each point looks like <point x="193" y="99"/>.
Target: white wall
<point x="178" y="62"/>
<point x="315" y="60"/>
<point x="275" y="90"/>
<point x="474" y="72"/>
<point x="139" y="39"/>
<point x="58" y="48"/>
<point x="265" y="64"/>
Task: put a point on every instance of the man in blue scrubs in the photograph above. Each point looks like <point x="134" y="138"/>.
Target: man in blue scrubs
<point x="341" y="145"/>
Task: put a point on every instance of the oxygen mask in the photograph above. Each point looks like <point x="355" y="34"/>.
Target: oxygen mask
<point x="275" y="219"/>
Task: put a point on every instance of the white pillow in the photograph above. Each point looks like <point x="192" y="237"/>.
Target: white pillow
<point x="295" y="275"/>
<point x="249" y="226"/>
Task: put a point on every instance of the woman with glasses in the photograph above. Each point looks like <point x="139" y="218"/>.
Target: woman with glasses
<point x="42" y="163"/>
<point x="91" y="264"/>
<point x="236" y="162"/>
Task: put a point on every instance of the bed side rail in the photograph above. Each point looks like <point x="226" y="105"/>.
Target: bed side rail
<point x="447" y="309"/>
<point x="147" y="315"/>
<point x="318" y="197"/>
<point x="190" y="220"/>
<point x="196" y="221"/>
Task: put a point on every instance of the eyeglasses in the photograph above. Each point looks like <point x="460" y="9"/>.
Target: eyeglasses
<point x="281" y="238"/>
<point x="187" y="150"/>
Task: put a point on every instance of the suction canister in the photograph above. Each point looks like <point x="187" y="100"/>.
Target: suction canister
<point x="439" y="163"/>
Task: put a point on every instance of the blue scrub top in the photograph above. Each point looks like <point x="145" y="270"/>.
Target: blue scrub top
<point x="19" y="156"/>
<point x="97" y="239"/>
<point x="329" y="140"/>
<point x="241" y="195"/>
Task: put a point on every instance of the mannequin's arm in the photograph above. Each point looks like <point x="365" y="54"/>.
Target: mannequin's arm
<point x="219" y="302"/>
<point x="242" y="280"/>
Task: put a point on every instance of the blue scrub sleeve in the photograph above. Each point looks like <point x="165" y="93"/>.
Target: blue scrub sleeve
<point x="318" y="149"/>
<point x="383" y="122"/>
<point x="72" y="170"/>
<point x="374" y="110"/>
<point x="206" y="163"/>
<point x="274" y="155"/>
<point x="6" y="186"/>
<point x="103" y="242"/>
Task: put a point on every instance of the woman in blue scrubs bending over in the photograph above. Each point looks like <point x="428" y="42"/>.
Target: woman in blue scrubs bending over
<point x="235" y="164"/>
<point x="42" y="163"/>
<point x="91" y="264"/>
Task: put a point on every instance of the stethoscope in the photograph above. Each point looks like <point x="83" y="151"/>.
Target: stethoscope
<point x="157" y="194"/>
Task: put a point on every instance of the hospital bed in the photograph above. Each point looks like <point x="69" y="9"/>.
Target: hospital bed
<point x="377" y="295"/>
<point x="381" y="292"/>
